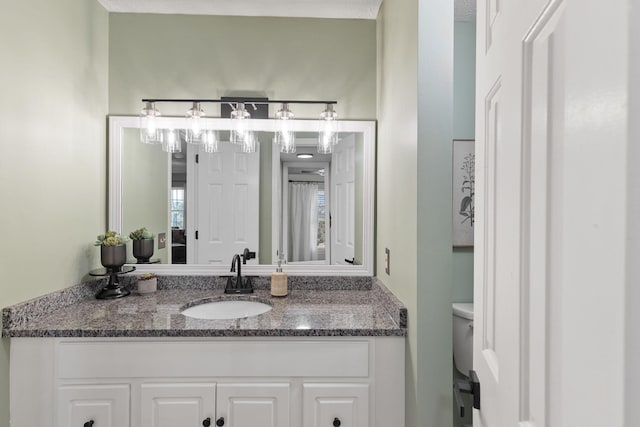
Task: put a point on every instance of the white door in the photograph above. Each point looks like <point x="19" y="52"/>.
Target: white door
<point x="227" y="205"/>
<point x="172" y="405"/>
<point x="251" y="405"/>
<point x="93" y="405"/>
<point x="343" y="175"/>
<point x="551" y="190"/>
<point x="344" y="405"/>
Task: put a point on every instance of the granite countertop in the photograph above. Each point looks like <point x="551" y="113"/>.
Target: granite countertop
<point x="317" y="306"/>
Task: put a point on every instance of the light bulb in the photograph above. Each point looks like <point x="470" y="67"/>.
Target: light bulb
<point x="194" y="119"/>
<point x="210" y="141"/>
<point x="285" y="137"/>
<point x="149" y="131"/>
<point x="239" y="130"/>
<point x="250" y="142"/>
<point x="171" y="143"/>
<point x="328" y="130"/>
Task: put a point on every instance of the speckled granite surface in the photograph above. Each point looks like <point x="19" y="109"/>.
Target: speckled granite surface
<point x="331" y="306"/>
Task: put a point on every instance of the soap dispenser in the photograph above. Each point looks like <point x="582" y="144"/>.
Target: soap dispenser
<point x="279" y="281"/>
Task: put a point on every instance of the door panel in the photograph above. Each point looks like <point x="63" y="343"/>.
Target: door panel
<point x="551" y="130"/>
<point x="251" y="405"/>
<point x="105" y="405"/>
<point x="171" y="405"/>
<point x="499" y="234"/>
<point x="343" y="201"/>
<point x="324" y="403"/>
<point x="227" y="188"/>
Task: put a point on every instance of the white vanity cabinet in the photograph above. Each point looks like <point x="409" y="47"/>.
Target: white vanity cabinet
<point x="245" y="382"/>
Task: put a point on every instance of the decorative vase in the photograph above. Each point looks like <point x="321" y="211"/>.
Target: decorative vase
<point x="147" y="286"/>
<point x="143" y="250"/>
<point x="113" y="257"/>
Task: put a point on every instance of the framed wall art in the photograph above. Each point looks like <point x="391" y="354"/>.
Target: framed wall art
<point x="464" y="159"/>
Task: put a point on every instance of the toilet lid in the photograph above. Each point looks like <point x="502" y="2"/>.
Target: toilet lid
<point x="463" y="309"/>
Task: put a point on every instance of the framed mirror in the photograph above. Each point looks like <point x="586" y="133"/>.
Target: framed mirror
<point x="316" y="211"/>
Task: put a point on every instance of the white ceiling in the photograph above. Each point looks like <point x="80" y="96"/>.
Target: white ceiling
<point x="353" y="9"/>
<point x="349" y="9"/>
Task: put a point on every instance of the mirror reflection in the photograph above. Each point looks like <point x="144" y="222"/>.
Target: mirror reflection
<point x="303" y="207"/>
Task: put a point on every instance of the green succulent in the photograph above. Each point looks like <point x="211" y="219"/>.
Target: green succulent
<point x="146" y="276"/>
<point x="110" y="238"/>
<point x="141" y="233"/>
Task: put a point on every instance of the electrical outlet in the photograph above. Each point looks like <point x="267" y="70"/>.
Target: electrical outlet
<point x="387" y="260"/>
<point x="162" y="240"/>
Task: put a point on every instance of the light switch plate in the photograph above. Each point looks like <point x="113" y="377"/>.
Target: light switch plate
<point x="162" y="240"/>
<point x="387" y="260"/>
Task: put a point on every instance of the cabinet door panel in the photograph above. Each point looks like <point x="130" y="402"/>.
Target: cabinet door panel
<point x="105" y="405"/>
<point x="171" y="405"/>
<point x="251" y="405"/>
<point x="323" y="403"/>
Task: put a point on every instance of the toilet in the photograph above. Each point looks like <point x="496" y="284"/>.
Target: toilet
<point x="463" y="337"/>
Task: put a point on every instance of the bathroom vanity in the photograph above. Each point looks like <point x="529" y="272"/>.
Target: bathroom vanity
<point x="328" y="355"/>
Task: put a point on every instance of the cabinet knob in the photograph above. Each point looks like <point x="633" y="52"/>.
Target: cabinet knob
<point x="88" y="423"/>
<point x="206" y="422"/>
<point x="220" y="422"/>
<point x="336" y="422"/>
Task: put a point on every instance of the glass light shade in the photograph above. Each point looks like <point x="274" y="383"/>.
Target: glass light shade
<point x="171" y="142"/>
<point x="328" y="130"/>
<point x="239" y="128"/>
<point x="287" y="141"/>
<point x="250" y="142"/>
<point x="195" y="117"/>
<point x="150" y="133"/>
<point x="284" y="136"/>
<point x="210" y="141"/>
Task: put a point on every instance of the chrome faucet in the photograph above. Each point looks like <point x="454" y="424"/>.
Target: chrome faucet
<point x="239" y="286"/>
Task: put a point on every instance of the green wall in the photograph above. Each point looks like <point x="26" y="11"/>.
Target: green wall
<point x="178" y="56"/>
<point x="52" y="148"/>
<point x="464" y="90"/>
<point x="145" y="190"/>
<point x="415" y="121"/>
<point x="396" y="180"/>
<point x="435" y="123"/>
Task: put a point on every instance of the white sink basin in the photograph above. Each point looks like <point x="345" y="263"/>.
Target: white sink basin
<point x="226" y="310"/>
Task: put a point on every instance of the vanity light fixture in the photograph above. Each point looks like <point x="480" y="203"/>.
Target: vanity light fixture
<point x="194" y="118"/>
<point x="241" y="134"/>
<point x="328" y="130"/>
<point x="210" y="141"/>
<point x="171" y="141"/>
<point x="285" y="137"/>
<point x="239" y="118"/>
<point x="149" y="131"/>
<point x="250" y="143"/>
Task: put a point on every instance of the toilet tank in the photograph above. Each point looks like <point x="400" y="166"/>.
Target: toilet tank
<point x="463" y="337"/>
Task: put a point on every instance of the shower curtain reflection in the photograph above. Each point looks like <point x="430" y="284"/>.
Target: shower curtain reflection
<point x="303" y="222"/>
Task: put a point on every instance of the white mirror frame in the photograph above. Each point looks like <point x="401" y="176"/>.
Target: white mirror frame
<point x="117" y="124"/>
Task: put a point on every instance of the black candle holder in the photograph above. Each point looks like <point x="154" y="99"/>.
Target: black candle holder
<point x="113" y="289"/>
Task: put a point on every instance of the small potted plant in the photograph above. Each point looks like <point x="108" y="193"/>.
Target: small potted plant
<point x="142" y="244"/>
<point x="113" y="250"/>
<point x="147" y="283"/>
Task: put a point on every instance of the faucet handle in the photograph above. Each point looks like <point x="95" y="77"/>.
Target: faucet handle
<point x="247" y="255"/>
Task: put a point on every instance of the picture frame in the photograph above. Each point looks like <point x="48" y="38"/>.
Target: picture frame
<point x="463" y="192"/>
